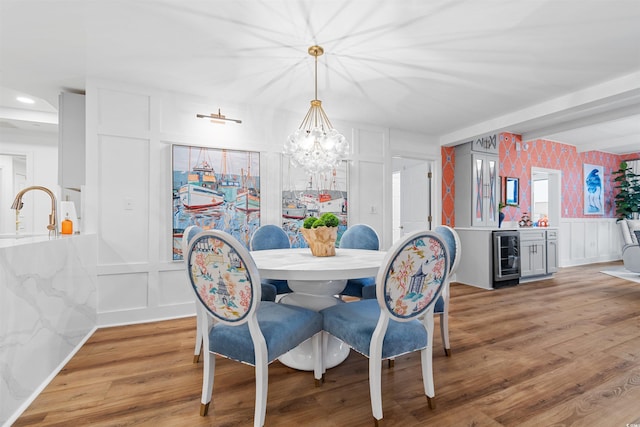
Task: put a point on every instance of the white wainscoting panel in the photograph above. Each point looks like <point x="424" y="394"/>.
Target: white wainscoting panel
<point x="588" y="240"/>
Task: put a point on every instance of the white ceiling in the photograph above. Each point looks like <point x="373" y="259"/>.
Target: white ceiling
<point x="567" y="70"/>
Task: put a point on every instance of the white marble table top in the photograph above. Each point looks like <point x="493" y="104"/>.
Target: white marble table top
<point x="300" y="264"/>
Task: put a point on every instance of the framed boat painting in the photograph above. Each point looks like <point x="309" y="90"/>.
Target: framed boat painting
<point x="592" y="189"/>
<point x="214" y="189"/>
<point x="305" y="195"/>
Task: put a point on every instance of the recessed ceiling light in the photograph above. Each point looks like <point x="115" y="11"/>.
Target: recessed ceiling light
<point x="25" y="100"/>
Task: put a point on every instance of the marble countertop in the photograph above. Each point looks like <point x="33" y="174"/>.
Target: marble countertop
<point x="11" y="240"/>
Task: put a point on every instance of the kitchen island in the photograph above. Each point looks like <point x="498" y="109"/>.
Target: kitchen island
<point x="47" y="311"/>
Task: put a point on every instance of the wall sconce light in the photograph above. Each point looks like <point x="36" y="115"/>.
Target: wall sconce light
<point x="217" y="118"/>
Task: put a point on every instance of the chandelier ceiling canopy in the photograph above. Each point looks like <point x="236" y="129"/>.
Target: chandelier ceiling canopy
<point x="316" y="146"/>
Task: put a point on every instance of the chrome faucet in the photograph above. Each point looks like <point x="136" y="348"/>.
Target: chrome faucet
<point x="53" y="217"/>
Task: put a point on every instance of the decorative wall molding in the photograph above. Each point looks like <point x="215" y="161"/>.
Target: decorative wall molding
<point x="588" y="240"/>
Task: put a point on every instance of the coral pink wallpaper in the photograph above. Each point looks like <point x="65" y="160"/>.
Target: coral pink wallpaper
<point x="448" y="185"/>
<point x="540" y="153"/>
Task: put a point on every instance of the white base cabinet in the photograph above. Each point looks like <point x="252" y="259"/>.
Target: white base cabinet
<point x="552" y="251"/>
<point x="538" y="252"/>
<point x="533" y="253"/>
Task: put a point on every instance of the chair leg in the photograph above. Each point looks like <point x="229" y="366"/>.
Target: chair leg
<point x="444" y="329"/>
<point x="426" y="359"/>
<point x="262" y="378"/>
<point x="207" y="382"/>
<point x="426" y="356"/>
<point x="198" y="349"/>
<point x="325" y="344"/>
<point x="318" y="358"/>
<point x="432" y="402"/>
<point x="375" y="378"/>
<point x="196" y="354"/>
<point x="204" y="409"/>
<point x="262" y="383"/>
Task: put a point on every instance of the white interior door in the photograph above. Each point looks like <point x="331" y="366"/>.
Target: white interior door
<point x="414" y="196"/>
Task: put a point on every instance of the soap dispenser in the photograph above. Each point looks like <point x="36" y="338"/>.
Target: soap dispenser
<point x="67" y="225"/>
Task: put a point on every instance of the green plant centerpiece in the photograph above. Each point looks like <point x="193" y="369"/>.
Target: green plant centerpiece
<point x="321" y="234"/>
<point x="628" y="196"/>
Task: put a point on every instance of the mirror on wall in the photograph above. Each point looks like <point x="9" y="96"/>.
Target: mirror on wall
<point x="512" y="190"/>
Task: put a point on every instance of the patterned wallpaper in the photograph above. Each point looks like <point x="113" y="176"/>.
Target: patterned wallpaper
<point x="516" y="160"/>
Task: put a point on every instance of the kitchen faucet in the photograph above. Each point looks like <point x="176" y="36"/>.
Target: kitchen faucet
<point x="53" y="218"/>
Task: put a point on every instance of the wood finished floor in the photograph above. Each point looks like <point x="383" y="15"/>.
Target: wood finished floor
<point x="558" y="352"/>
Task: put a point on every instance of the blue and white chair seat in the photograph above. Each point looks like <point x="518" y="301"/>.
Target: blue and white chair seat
<point x="234" y="342"/>
<point x="226" y="284"/>
<point x="356" y="322"/>
<point x="269" y="291"/>
<point x="400" y="319"/>
<point x="441" y="308"/>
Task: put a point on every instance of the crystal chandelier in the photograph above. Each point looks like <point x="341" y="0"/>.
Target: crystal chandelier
<point x="316" y="146"/>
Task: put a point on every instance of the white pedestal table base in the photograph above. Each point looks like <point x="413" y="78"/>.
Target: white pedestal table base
<point x="315" y="295"/>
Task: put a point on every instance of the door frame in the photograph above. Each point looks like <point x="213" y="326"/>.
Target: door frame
<point x="434" y="166"/>
<point x="555" y="193"/>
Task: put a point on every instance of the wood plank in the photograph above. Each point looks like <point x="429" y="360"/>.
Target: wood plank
<point x="562" y="351"/>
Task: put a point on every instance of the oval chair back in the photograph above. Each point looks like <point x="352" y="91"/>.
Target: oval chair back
<point x="451" y="238"/>
<point x="413" y="276"/>
<point x="223" y="276"/>
<point x="236" y="324"/>
<point x="188" y="234"/>
<point x="360" y="236"/>
<point x="271" y="236"/>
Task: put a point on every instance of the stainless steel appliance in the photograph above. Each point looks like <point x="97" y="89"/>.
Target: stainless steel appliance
<point x="506" y="258"/>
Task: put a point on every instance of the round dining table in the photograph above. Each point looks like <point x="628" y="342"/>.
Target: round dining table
<point x="316" y="282"/>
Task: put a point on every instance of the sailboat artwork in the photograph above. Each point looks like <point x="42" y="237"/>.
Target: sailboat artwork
<point x="200" y="191"/>
<point x="215" y="189"/>
<point x="248" y="196"/>
<point x="313" y="195"/>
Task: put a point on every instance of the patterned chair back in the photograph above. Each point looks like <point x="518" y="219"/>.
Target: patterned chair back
<point x="413" y="275"/>
<point x="224" y="277"/>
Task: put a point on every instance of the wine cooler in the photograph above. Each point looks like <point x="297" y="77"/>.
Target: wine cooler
<point x="506" y="258"/>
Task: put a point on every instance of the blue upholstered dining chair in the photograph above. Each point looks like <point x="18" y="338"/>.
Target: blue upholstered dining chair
<point x="268" y="290"/>
<point x="271" y="236"/>
<point x="360" y="236"/>
<point x="452" y="240"/>
<point x="400" y="319"/>
<point x="239" y="326"/>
